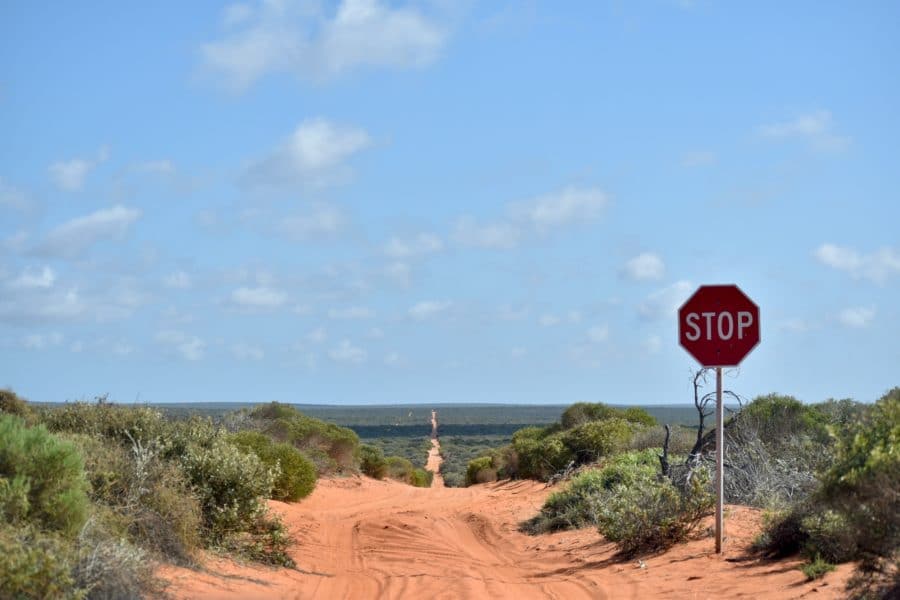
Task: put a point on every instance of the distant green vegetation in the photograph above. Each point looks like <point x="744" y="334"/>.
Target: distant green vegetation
<point x="92" y="493"/>
<point x="458" y="450"/>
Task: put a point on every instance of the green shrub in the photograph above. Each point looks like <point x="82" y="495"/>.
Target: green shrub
<point x="854" y="512"/>
<point x="331" y="447"/>
<point x="651" y="513"/>
<point x="35" y="565"/>
<point x="41" y="478"/>
<point x="297" y="474"/>
<point x="480" y="470"/>
<point x="11" y="404"/>
<point x="593" y="440"/>
<point x="105" y="419"/>
<point x="575" y="505"/>
<point x="586" y="412"/>
<point x="149" y="498"/>
<point x="816" y="568"/>
<point x="229" y="484"/>
<point x="399" y="469"/>
<point x="372" y="462"/>
<point x="539" y="456"/>
<point x="422" y="478"/>
<point x="863" y="481"/>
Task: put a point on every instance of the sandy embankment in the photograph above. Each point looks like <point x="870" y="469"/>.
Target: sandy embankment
<point x="361" y="538"/>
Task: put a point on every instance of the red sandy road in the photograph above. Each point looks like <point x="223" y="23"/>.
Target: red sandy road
<point x="361" y="538"/>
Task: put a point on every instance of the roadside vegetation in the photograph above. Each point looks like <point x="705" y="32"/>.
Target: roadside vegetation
<point x="93" y="494"/>
<point x="827" y="476"/>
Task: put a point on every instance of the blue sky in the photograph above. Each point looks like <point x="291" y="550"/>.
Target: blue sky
<point x="372" y="202"/>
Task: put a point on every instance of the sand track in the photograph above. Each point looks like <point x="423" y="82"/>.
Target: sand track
<point x="361" y="538"/>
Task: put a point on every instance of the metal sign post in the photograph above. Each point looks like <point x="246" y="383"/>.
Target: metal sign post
<point x="720" y="463"/>
<point x="719" y="326"/>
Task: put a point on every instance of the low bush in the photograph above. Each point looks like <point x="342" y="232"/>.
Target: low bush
<point x="853" y="514"/>
<point x="12" y="404"/>
<point x="816" y="568"/>
<point x="399" y="469"/>
<point x="575" y="505"/>
<point x="480" y="470"/>
<point x="422" y="478"/>
<point x="110" y="567"/>
<point x="332" y="448"/>
<point x="297" y="474"/>
<point x="36" y="565"/>
<point x="229" y="484"/>
<point x="41" y="478"/>
<point x="652" y="514"/>
<point x="372" y="462"/>
<point x="105" y="419"/>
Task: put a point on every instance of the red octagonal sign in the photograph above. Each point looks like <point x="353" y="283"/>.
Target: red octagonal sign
<point x="718" y="325"/>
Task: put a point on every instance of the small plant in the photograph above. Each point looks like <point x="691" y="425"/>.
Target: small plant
<point x="816" y="568"/>
<point x="372" y="462"/>
<point x="297" y="474"/>
<point x="480" y="470"/>
<point x="41" y="478"/>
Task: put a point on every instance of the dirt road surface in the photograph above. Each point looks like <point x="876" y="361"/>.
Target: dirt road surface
<point x="360" y="538"/>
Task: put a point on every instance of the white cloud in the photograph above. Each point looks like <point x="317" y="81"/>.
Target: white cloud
<point x="258" y="297"/>
<point x="317" y="335"/>
<point x="41" y="341"/>
<point x="666" y="301"/>
<point x="351" y="313"/>
<point x="698" y="158"/>
<point x="858" y="317"/>
<point x="815" y="127"/>
<point x="242" y="351"/>
<point x="178" y="280"/>
<point x="74" y="237"/>
<point x="292" y="37"/>
<point x="567" y="206"/>
<point x="598" y="334"/>
<point x="498" y="236"/>
<point x="644" y="267"/>
<point x="549" y="320"/>
<point x="56" y="305"/>
<point x="69" y="175"/>
<point x="422" y="244"/>
<point x="348" y="353"/>
<point x="189" y="347"/>
<point x="878" y="266"/>
<point x="428" y="309"/>
<point x="539" y="215"/>
<point x="314" y="154"/>
<point x="31" y="279"/>
<point x="322" y="221"/>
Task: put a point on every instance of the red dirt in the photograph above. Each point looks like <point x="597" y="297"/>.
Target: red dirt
<point x="362" y="538"/>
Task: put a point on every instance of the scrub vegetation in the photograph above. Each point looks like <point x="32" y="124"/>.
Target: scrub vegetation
<point x="92" y="494"/>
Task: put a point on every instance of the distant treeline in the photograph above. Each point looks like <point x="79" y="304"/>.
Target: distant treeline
<point x="400" y="415"/>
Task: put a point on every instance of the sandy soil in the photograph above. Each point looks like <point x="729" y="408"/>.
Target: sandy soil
<point x="361" y="538"/>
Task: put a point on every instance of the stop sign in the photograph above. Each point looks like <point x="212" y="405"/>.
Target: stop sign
<point x="718" y="325"/>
